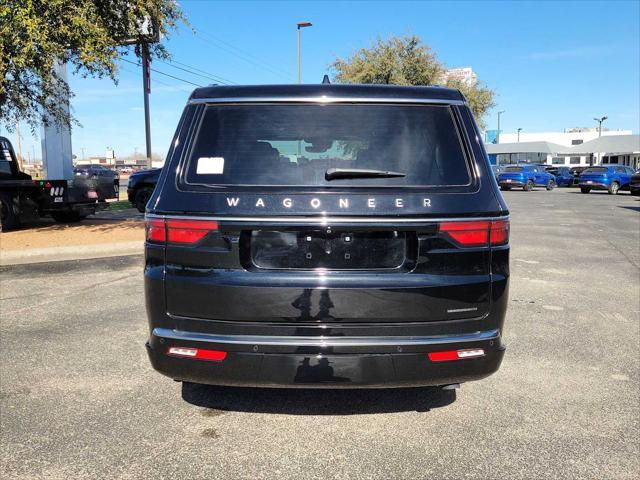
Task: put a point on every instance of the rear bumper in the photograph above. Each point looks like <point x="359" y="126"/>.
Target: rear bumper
<point x="594" y="185"/>
<point x="513" y="183"/>
<point x="325" y="362"/>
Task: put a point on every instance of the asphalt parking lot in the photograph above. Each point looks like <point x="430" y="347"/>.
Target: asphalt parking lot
<point x="79" y="399"/>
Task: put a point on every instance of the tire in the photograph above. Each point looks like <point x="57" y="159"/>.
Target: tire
<point x="550" y="185"/>
<point x="142" y="198"/>
<point x="67" y="217"/>
<point x="613" y="188"/>
<point x="528" y="186"/>
<point x="8" y="217"/>
<point x="585" y="189"/>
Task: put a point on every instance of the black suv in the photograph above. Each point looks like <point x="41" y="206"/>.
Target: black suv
<point x="326" y="236"/>
<point x="140" y="187"/>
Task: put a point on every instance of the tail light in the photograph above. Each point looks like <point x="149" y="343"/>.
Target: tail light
<point x="178" y="232"/>
<point x="450" y="355"/>
<point x="198" y="353"/>
<point x="477" y="233"/>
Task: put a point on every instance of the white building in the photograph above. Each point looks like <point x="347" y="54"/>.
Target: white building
<point x="609" y="149"/>
<point x="569" y="138"/>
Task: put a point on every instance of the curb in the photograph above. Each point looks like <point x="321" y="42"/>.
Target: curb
<point x="75" y="252"/>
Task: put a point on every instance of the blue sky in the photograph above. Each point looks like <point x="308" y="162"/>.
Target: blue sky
<point x="553" y="64"/>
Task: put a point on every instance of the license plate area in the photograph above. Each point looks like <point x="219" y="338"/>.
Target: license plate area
<point x="312" y="249"/>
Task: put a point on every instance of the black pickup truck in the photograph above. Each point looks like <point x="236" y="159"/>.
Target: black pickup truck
<point x="23" y="198"/>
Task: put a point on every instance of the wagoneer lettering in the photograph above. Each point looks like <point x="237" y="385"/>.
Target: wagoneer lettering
<point x="315" y="203"/>
<point x="353" y="237"/>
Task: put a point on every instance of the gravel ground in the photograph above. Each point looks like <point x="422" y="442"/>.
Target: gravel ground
<point x="106" y="226"/>
<point x="78" y="398"/>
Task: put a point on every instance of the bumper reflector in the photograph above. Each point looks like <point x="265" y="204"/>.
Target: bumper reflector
<point x="449" y="355"/>
<point x="198" y="353"/>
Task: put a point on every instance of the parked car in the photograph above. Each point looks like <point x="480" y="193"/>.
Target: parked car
<point x="576" y="171"/>
<point x="634" y="184"/>
<point x="140" y="187"/>
<point x="287" y="243"/>
<point x="563" y="175"/>
<point x="103" y="180"/>
<point x="606" y="177"/>
<point x="526" y="177"/>
<point x="497" y="170"/>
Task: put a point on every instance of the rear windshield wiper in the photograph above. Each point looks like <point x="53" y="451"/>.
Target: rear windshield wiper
<point x="333" y="173"/>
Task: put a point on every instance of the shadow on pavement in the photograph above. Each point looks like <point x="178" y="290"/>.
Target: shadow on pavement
<point x="635" y="209"/>
<point x="316" y="401"/>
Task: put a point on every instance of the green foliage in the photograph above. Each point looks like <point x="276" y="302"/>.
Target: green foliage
<point x="408" y="61"/>
<point x="87" y="34"/>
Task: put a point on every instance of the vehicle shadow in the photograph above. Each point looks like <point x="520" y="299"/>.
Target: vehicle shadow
<point x="316" y="401"/>
<point x="635" y="209"/>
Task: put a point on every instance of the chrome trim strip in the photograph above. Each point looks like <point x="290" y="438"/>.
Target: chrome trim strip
<point x="324" y="99"/>
<point x="327" y="220"/>
<point x="291" y="341"/>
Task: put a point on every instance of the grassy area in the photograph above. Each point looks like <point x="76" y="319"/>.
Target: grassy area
<point x="119" y="205"/>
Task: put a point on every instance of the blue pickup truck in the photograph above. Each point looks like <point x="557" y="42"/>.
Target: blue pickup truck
<point x="611" y="178"/>
<point x="526" y="177"/>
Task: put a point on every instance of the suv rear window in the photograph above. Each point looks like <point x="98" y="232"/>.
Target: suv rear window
<point x="294" y="145"/>
<point x="513" y="169"/>
<point x="596" y="170"/>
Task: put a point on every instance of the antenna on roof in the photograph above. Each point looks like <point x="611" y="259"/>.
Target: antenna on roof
<point x="325" y="80"/>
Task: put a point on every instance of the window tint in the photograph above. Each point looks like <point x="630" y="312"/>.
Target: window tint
<point x="513" y="169"/>
<point x="296" y="144"/>
<point x="597" y="170"/>
<point x="5" y="166"/>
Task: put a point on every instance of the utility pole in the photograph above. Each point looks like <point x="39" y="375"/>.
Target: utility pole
<point x="498" y="135"/>
<point x="519" y="130"/>
<point x="146" y="86"/>
<point x="82" y="149"/>
<point x="19" y="144"/>
<point x="300" y="26"/>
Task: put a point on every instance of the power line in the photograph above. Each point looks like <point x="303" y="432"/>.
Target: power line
<point x="163" y="73"/>
<point x="206" y="75"/>
<point x="191" y="69"/>
<point x="209" y="39"/>
<point x="138" y="73"/>
<point x="249" y="54"/>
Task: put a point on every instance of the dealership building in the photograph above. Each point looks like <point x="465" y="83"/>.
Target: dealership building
<point x="576" y="147"/>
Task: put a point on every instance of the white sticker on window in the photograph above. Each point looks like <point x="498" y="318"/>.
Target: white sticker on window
<point x="210" y="165"/>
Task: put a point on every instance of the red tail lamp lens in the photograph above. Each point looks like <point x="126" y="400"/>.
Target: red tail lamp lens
<point x="468" y="234"/>
<point x="198" y="353"/>
<point x="450" y="355"/>
<point x="189" y="231"/>
<point x="499" y="232"/>
<point x="183" y="232"/>
<point x="155" y="230"/>
<point x="477" y="233"/>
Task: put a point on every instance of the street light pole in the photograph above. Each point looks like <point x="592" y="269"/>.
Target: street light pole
<point x="600" y="121"/>
<point x="519" y="130"/>
<point x="498" y="135"/>
<point x="300" y="25"/>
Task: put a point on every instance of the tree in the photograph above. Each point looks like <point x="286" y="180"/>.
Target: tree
<point x="87" y="34"/>
<point x="408" y="61"/>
